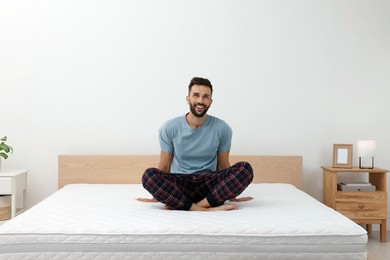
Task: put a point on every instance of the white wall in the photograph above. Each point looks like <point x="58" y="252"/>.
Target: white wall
<point x="100" y="77"/>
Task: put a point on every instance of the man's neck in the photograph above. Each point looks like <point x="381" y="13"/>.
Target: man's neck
<point x="194" y="121"/>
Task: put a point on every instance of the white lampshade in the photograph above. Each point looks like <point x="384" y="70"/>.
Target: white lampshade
<point x="366" y="148"/>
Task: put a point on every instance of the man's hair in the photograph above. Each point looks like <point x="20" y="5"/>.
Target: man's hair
<point x="200" y="81"/>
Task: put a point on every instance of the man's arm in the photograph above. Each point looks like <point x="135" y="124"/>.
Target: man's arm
<point x="165" y="162"/>
<point x="223" y="161"/>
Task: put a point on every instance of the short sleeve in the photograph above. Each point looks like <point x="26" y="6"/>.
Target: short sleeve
<point x="225" y="139"/>
<point x="165" y="138"/>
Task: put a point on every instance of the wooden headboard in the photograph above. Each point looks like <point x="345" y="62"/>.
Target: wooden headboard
<point x="110" y="169"/>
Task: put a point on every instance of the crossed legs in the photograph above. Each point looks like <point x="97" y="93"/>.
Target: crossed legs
<point x="206" y="191"/>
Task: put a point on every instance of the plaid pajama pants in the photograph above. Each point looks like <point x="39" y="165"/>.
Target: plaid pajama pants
<point x="179" y="191"/>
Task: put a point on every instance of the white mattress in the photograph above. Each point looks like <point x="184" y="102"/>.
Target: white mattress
<point x="101" y="221"/>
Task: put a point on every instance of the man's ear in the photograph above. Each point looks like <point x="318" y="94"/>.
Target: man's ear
<point x="188" y="99"/>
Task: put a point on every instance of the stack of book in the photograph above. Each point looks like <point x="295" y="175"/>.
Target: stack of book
<point x="356" y="186"/>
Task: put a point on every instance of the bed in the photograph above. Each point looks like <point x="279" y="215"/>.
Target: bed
<point x="95" y="215"/>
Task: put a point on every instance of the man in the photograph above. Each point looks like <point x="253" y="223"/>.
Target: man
<point x="194" y="172"/>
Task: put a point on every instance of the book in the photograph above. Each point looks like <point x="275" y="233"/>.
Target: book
<point x="352" y="188"/>
<point x="356" y="183"/>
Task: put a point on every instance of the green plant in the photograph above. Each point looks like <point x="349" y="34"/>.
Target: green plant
<point x="4" y="148"/>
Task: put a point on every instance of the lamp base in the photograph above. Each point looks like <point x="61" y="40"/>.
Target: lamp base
<point x="366" y="162"/>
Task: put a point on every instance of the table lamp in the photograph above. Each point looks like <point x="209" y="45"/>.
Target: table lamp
<point x="366" y="153"/>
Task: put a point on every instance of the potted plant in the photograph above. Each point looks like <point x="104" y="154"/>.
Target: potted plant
<point x="4" y="149"/>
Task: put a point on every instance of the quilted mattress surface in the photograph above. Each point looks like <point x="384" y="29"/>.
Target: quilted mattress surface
<point x="107" y="218"/>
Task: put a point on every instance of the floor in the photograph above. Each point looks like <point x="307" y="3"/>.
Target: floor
<point x="376" y="249"/>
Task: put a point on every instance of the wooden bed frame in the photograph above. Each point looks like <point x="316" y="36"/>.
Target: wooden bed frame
<point x="124" y="169"/>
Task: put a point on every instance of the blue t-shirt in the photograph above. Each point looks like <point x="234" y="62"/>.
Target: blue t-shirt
<point x="195" y="150"/>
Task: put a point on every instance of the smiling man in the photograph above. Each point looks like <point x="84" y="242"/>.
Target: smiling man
<point x="194" y="172"/>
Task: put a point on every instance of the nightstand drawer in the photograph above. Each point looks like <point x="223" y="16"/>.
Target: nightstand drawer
<point x="6" y="185"/>
<point x="362" y="205"/>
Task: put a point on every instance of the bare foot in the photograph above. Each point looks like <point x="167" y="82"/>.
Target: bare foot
<point x="147" y="199"/>
<point x="224" y="207"/>
<point x="241" y="199"/>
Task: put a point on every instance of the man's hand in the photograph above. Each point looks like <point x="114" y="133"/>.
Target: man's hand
<point x="241" y="199"/>
<point x="147" y="199"/>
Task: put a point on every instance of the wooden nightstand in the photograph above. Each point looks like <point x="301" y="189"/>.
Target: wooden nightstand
<point x="14" y="182"/>
<point x="360" y="206"/>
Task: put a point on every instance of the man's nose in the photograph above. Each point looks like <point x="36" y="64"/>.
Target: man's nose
<point x="200" y="100"/>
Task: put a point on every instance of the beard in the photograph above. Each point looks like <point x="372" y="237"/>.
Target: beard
<point x="196" y="113"/>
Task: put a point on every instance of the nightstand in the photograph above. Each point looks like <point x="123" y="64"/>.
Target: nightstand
<point x="14" y="183"/>
<point x="360" y="206"/>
